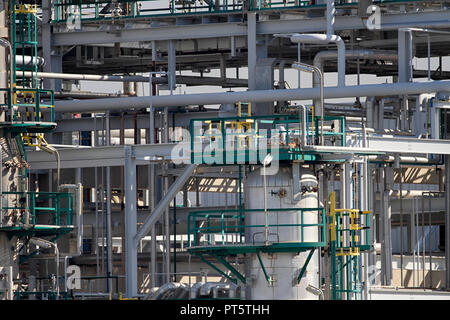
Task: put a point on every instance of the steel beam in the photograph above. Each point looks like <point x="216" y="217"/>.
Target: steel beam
<point x="107" y="156"/>
<point x="88" y="124"/>
<point x="408" y="145"/>
<point x="251" y="54"/>
<point x="176" y="100"/>
<point x="218" y="30"/>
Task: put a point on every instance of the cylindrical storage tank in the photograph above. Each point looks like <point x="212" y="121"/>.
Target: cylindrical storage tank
<point x="282" y="267"/>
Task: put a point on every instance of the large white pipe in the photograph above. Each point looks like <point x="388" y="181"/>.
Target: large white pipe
<point x="28" y="60"/>
<point x="324" y="39"/>
<point x="91" y="77"/>
<point x="112" y="104"/>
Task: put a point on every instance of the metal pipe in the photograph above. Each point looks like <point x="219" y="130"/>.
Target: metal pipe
<point x="28" y="60"/>
<point x="331" y="12"/>
<point x="177" y="100"/>
<point x="407" y="159"/>
<point x="314" y="69"/>
<point x="322" y="56"/>
<point x="108" y="207"/>
<point x="322" y="38"/>
<point x="303" y="122"/>
<point x="5" y="43"/>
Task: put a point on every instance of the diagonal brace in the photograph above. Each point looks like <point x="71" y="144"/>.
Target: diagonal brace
<point x="302" y="272"/>
<point x="232" y="269"/>
<point x="217" y="269"/>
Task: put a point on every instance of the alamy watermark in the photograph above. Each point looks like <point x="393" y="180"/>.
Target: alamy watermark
<point x="373" y="22"/>
<point x="231" y="146"/>
<point x="73" y="280"/>
<point x="73" y="22"/>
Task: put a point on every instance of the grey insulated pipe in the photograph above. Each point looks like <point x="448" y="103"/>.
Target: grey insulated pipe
<point x="322" y="56"/>
<point x="331" y="12"/>
<point x="177" y="100"/>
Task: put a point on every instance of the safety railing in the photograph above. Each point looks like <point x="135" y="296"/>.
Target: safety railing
<point x="352" y="231"/>
<point x="227" y="227"/>
<point x="25" y="207"/>
<point x="93" y="10"/>
<point x="26" y="105"/>
<point x="232" y="140"/>
<point x="349" y="237"/>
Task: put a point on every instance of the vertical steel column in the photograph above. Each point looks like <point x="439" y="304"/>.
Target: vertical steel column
<point x="130" y="222"/>
<point x="151" y="175"/>
<point x="251" y="45"/>
<point x="405" y="69"/>
<point x="386" y="235"/>
<point x="171" y="64"/>
<point x="405" y="56"/>
<point x="447" y="222"/>
<point x="386" y="245"/>
<point x="108" y="208"/>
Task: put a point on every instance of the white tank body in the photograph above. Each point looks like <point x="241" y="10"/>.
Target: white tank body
<point x="284" y="267"/>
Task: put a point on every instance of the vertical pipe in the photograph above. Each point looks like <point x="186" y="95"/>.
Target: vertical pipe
<point x="447" y="221"/>
<point x="331" y="11"/>
<point x="167" y="230"/>
<point x="429" y="242"/>
<point x="299" y="57"/>
<point x="423" y="242"/>
<point x="171" y="52"/>
<point x="152" y="179"/>
<point x="108" y="208"/>
<point x="401" y="227"/>
<point x="429" y="56"/>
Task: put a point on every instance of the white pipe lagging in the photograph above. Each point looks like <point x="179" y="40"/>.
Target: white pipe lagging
<point x="29" y="60"/>
<point x="90" y="77"/>
<point x="114" y="104"/>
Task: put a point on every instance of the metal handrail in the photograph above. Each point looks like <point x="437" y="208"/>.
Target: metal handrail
<point x="55" y="208"/>
<point x="91" y="11"/>
<point x="246" y="136"/>
<point x="236" y="216"/>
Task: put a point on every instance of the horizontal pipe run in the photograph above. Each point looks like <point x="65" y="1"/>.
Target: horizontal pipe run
<point x="187" y="80"/>
<point x="323" y="38"/>
<point x="406" y="159"/>
<point x="91" y="77"/>
<point x="28" y="61"/>
<point x="114" y="104"/>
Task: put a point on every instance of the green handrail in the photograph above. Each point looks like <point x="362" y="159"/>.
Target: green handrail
<point x="90" y="11"/>
<point x="55" y="200"/>
<point x="235" y="215"/>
